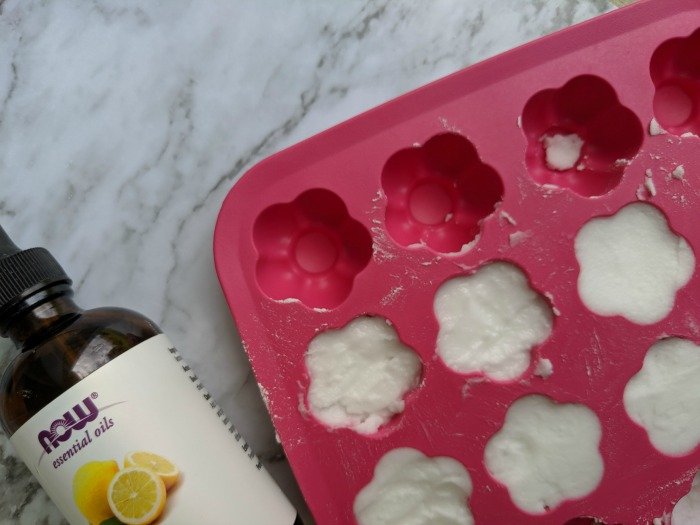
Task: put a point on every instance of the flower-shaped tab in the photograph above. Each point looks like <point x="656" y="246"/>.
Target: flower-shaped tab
<point x="580" y="136"/>
<point x="310" y="249"/>
<point x="439" y="194"/>
<point x="675" y="71"/>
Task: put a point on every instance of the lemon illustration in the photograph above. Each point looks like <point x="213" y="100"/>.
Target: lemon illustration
<point x="136" y="496"/>
<point x="90" y="484"/>
<point x="167" y="471"/>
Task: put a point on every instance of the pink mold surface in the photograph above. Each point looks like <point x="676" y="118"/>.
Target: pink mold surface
<point x="373" y="215"/>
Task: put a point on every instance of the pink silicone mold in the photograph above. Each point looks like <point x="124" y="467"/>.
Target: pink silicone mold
<point x="588" y="107"/>
<point x="587" y="521"/>
<point x="330" y="224"/>
<point x="310" y="249"/>
<point x="675" y="70"/>
<point x="439" y="193"/>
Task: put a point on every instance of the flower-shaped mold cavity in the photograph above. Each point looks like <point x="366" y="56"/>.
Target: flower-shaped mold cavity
<point x="409" y="487"/>
<point x="359" y="375"/>
<point x="579" y="135"/>
<point x="310" y="249"/>
<point x="546" y="453"/>
<point x="490" y="321"/>
<point x="675" y="71"/>
<point x="632" y="264"/>
<point x="663" y="396"/>
<point x="687" y="509"/>
<point x="439" y="194"/>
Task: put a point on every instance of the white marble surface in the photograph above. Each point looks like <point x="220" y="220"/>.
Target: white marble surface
<point x="123" y="124"/>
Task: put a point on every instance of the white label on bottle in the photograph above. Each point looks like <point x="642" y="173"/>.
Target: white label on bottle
<point x="147" y="400"/>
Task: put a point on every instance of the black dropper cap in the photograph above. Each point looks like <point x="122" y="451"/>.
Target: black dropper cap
<point x="25" y="272"/>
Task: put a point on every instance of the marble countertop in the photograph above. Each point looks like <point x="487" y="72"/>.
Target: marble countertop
<point x="124" y="124"/>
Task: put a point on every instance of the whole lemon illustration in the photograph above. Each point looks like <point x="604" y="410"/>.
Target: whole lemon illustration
<point x="90" y="484"/>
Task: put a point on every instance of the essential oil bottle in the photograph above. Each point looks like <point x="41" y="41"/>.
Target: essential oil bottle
<point x="108" y="417"/>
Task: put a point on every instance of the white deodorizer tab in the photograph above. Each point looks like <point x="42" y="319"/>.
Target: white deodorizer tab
<point x="90" y="437"/>
<point x="546" y="453"/>
<point x="490" y="321"/>
<point x="687" y="510"/>
<point x="410" y="488"/>
<point x="359" y="375"/>
<point x="562" y="152"/>
<point x="632" y="264"/>
<point x="664" y="396"/>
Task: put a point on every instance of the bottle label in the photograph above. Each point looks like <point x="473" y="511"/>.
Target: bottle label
<point x="140" y="441"/>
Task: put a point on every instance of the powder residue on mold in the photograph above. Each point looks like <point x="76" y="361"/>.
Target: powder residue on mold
<point x="664" y="396"/>
<point x="382" y="248"/>
<point x="489" y="321"/>
<point x="687" y="510"/>
<point x="391" y="296"/>
<point x="641" y="193"/>
<point x="507" y="217"/>
<point x="678" y="172"/>
<point x="288" y="300"/>
<point x="562" y="151"/>
<point x="409" y="488"/>
<point x="649" y="185"/>
<point x="544" y="368"/>
<point x="359" y="375"/>
<point x="518" y="237"/>
<point x="655" y="128"/>
<point x="546" y="453"/>
<point x="632" y="264"/>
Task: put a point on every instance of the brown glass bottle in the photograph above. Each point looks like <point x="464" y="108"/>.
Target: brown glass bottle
<point x="60" y="346"/>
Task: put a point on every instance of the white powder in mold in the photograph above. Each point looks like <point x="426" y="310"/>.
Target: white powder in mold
<point x="288" y="300"/>
<point x="544" y="368"/>
<point x="655" y="128"/>
<point x="464" y="249"/>
<point x="489" y="321"/>
<point x="518" y="237"/>
<point x="391" y="296"/>
<point x="508" y="218"/>
<point x="687" y="510"/>
<point x="641" y="193"/>
<point x="409" y="488"/>
<point x="650" y="186"/>
<point x="632" y="264"/>
<point x="546" y="453"/>
<point x="663" y="397"/>
<point x="562" y="151"/>
<point x="359" y="375"/>
<point x="678" y="172"/>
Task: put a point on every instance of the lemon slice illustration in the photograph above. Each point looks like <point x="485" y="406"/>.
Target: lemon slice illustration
<point x="136" y="495"/>
<point x="167" y="471"/>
